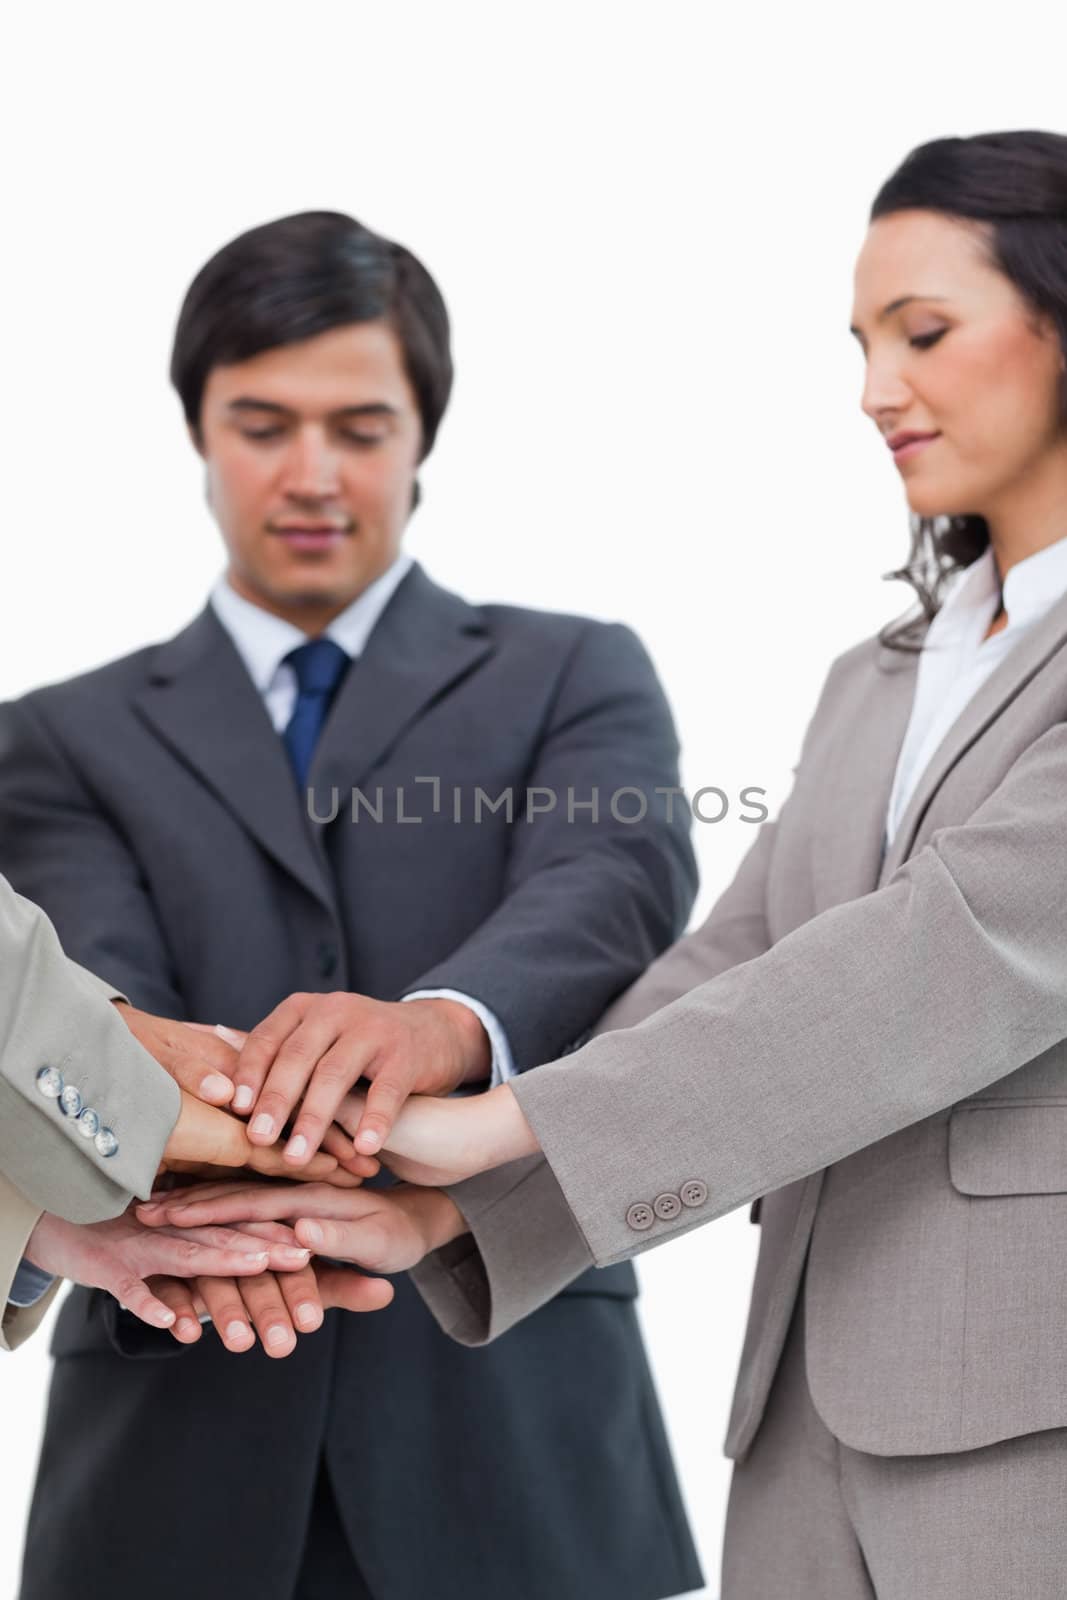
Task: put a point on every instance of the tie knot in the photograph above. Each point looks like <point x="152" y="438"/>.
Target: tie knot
<point x="319" y="665"/>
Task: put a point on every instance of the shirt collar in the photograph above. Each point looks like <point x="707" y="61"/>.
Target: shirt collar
<point x="263" y="640"/>
<point x="1031" y="589"/>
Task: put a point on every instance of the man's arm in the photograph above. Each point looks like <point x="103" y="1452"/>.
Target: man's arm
<point x="590" y="898"/>
<point x="590" y="901"/>
<point x="62" y="852"/>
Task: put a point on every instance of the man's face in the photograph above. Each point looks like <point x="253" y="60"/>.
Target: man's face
<point x="311" y="451"/>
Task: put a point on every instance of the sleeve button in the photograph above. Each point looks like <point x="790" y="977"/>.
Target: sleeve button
<point x="50" y="1082"/>
<point x="640" y="1216"/>
<point x="88" y="1124"/>
<point x="70" y="1101"/>
<point x="667" y="1206"/>
<point x="694" y="1192"/>
<point x="106" y="1143"/>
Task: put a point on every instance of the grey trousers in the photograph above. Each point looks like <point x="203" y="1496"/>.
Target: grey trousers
<point x="811" y="1519"/>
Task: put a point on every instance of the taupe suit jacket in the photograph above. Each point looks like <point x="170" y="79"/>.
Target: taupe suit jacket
<point x="877" y="1048"/>
<point x="54" y="1013"/>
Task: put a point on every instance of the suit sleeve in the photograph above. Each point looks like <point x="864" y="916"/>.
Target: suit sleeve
<point x="18" y="1218"/>
<point x="590" y="900"/>
<point x="873" y="1015"/>
<point x="62" y="851"/>
<point x="478" y="1285"/>
<point x="58" y="1029"/>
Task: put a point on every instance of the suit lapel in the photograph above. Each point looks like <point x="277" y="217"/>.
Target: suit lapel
<point x="1016" y="670"/>
<point x="203" y="705"/>
<point x="425" y="640"/>
<point x="859" y="778"/>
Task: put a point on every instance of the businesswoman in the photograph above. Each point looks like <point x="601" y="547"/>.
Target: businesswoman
<point x="869" y="1030"/>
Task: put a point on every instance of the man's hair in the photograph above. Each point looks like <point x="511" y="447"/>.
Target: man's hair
<point x="301" y="275"/>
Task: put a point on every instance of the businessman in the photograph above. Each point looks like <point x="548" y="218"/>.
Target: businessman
<point x="347" y="793"/>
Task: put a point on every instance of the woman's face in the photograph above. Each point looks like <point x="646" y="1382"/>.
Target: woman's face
<point x="954" y="352"/>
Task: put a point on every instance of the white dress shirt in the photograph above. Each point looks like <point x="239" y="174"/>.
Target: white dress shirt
<point x="262" y="640"/>
<point x="956" y="658"/>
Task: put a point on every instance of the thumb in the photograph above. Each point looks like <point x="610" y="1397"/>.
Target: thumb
<point x="133" y="1293"/>
<point x="206" y="1133"/>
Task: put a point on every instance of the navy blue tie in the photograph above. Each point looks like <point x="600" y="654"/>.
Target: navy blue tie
<point x="319" y="666"/>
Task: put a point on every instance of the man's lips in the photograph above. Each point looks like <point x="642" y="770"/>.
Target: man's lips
<point x="310" y="535"/>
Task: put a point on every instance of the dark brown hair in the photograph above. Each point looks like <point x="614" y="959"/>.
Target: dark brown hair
<point x="305" y="274"/>
<point x="1017" y="183"/>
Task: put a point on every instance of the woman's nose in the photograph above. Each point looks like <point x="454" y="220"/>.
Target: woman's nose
<point x="884" y="390"/>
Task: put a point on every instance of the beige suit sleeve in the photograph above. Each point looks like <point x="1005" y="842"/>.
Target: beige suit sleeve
<point x="55" y="1014"/>
<point x="18" y="1218"/>
<point x="873" y="1015"/>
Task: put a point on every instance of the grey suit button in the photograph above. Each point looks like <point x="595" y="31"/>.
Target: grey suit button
<point x="70" y="1101"/>
<point x="640" y="1216"/>
<point x="88" y="1124"/>
<point x="327" y="954"/>
<point x="666" y="1206"/>
<point x="106" y="1143"/>
<point x="50" y="1082"/>
<point x="694" y="1192"/>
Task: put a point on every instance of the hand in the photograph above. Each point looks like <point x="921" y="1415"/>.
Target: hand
<point x="120" y="1254"/>
<point x="384" y="1230"/>
<point x="274" y="1307"/>
<point x="206" y="1135"/>
<point x="314" y="1047"/>
<point x="197" y="1057"/>
<point x="444" y="1141"/>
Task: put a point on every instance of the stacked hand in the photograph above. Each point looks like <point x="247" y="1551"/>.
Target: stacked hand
<point x="432" y="1142"/>
<point x="293" y="1077"/>
<point x="146" y="1269"/>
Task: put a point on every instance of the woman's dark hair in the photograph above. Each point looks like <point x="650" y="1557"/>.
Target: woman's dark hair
<point x="1017" y="182"/>
<point x="301" y="275"/>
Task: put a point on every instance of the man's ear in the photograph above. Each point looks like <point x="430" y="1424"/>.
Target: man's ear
<point x="193" y="430"/>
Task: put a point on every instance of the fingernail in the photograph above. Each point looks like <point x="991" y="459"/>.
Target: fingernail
<point x="313" y="1232"/>
<point x="187" y="1327"/>
<point x="369" y="1141"/>
<point x="260" y="1255"/>
<point x="242" y="1098"/>
<point x="294" y="1255"/>
<point x="308" y="1315"/>
<point x="277" y="1335"/>
<point x="214" y="1086"/>
<point x="263" y="1124"/>
<point x="166" y="1319"/>
<point x="297" y="1148"/>
<point x="230" y="1035"/>
<point x="238" y="1331"/>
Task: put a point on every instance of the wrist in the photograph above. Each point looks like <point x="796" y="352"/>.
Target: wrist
<point x="434" y="1214"/>
<point x="474" y="1051"/>
<point x="507" y="1135"/>
<point x="40" y="1248"/>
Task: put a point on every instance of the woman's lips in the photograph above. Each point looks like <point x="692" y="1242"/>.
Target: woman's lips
<point x="913" y="446"/>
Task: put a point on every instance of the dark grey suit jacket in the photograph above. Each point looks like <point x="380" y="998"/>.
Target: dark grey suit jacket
<point x="149" y="807"/>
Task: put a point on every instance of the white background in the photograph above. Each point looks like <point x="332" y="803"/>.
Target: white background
<point x="644" y="223"/>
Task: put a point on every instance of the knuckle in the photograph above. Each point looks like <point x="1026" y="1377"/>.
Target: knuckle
<point x="386" y="1091"/>
<point x="187" y="1252"/>
<point x="273" y="1102"/>
<point x="333" y="1072"/>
